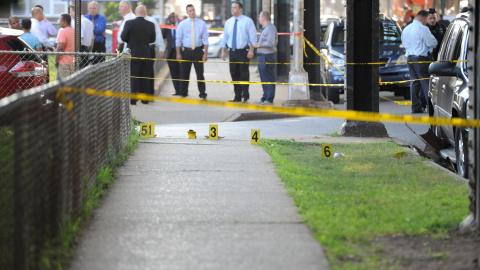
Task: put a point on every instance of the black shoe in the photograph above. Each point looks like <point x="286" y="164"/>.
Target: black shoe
<point x="133" y="102"/>
<point x="245" y="100"/>
<point x="175" y="94"/>
<point x="235" y="100"/>
<point x="419" y="111"/>
<point x="144" y="102"/>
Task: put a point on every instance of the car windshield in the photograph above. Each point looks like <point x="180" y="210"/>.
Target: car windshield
<point x="16" y="44"/>
<point x="389" y="32"/>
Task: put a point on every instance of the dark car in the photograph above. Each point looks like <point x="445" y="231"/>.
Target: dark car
<point x="391" y="51"/>
<point x="448" y="91"/>
<point x="18" y="71"/>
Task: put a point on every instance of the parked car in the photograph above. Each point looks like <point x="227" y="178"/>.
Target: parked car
<point x="18" y="71"/>
<point x="391" y="51"/>
<point x="214" y="46"/>
<point x="448" y="91"/>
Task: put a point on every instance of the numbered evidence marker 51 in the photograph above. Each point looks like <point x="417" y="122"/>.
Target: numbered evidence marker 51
<point x="213" y="132"/>
<point x="327" y="150"/>
<point x="147" y="130"/>
<point x="255" y="136"/>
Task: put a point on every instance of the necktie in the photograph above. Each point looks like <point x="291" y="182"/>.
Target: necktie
<point x="193" y="34"/>
<point x="234" y="41"/>
<point x="174" y="37"/>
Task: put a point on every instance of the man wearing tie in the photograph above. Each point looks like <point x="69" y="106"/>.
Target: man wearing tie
<point x="238" y="35"/>
<point x="192" y="36"/>
<point x="171" y="52"/>
<point x="125" y="9"/>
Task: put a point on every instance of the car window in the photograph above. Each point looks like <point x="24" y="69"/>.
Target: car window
<point x="390" y="32"/>
<point x="338" y="36"/>
<point x="447" y="43"/>
<point x="17" y="44"/>
<point x="458" y="45"/>
<point x="327" y="34"/>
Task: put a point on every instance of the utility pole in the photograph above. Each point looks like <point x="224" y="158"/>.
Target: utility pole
<point x="297" y="73"/>
<point x="282" y="23"/>
<point x="311" y="66"/>
<point x="362" y="81"/>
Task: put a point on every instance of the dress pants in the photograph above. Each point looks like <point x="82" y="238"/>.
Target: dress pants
<point x="151" y="72"/>
<point x="83" y="58"/>
<point x="139" y="68"/>
<point x="240" y="72"/>
<point x="418" y="89"/>
<point x="185" y="67"/>
<point x="174" y="67"/>
<point x="267" y="74"/>
<point x="98" y="47"/>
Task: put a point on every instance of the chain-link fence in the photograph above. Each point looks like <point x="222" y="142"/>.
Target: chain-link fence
<point x="52" y="143"/>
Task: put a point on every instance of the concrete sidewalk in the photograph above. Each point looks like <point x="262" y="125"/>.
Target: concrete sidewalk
<point x="196" y="203"/>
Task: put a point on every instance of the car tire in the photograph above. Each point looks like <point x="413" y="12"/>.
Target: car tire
<point x="461" y="151"/>
<point x="406" y="93"/>
<point x="333" y="95"/>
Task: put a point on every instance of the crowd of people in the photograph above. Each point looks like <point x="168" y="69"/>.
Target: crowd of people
<point x="186" y="40"/>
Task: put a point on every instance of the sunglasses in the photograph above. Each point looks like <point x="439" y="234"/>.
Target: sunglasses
<point x="431" y="11"/>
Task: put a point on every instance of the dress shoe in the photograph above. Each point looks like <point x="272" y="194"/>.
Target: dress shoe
<point x="259" y="102"/>
<point x="245" y="100"/>
<point x="419" y="111"/>
<point x="144" y="102"/>
<point x="235" y="100"/>
<point x="175" y="94"/>
<point x="266" y="102"/>
<point x="133" y="102"/>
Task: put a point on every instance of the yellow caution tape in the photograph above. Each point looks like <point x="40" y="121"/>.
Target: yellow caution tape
<point x="299" y="111"/>
<point x="398" y="102"/>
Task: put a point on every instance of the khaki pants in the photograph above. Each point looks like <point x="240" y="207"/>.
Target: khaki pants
<point x="65" y="70"/>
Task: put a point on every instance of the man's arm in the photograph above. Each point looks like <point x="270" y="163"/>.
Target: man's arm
<point x="59" y="48"/>
<point x="429" y="39"/>
<point x="126" y="32"/>
<point x="38" y="32"/>
<point x="224" y="41"/>
<point x="51" y="30"/>
<point x="102" y="24"/>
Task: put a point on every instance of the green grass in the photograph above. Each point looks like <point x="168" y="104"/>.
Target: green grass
<point x="348" y="201"/>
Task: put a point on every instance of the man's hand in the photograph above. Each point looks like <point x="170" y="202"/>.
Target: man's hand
<point x="161" y="54"/>
<point x="250" y="54"/>
<point x="179" y="56"/>
<point x="205" y="57"/>
<point x="224" y="56"/>
<point x="255" y="45"/>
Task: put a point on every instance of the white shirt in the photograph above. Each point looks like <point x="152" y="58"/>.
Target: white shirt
<point x="417" y="39"/>
<point x="87" y="38"/>
<point x="158" y="34"/>
<point x="37" y="30"/>
<point x="129" y="16"/>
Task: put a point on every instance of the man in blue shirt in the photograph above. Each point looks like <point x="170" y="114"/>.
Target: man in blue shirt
<point x="28" y="37"/>
<point x="99" y="24"/>
<point x="191" y="41"/>
<point x="419" y="43"/>
<point x="239" y="34"/>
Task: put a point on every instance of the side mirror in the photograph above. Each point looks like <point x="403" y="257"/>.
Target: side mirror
<point x="444" y="69"/>
<point x="323" y="46"/>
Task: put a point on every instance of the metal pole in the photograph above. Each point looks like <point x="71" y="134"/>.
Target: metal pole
<point x="78" y="36"/>
<point x="297" y="74"/>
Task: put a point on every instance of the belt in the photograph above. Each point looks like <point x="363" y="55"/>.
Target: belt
<point x="418" y="56"/>
<point x="242" y="49"/>
<point x="190" y="49"/>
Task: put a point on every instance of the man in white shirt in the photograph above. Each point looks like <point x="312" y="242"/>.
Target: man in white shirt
<point x="125" y="8"/>
<point x="419" y="44"/>
<point x="158" y="45"/>
<point x="86" y="34"/>
<point x="37" y="30"/>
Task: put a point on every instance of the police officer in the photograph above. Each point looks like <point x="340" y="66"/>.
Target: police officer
<point x="437" y="30"/>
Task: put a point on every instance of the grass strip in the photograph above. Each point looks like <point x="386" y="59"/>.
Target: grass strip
<point x="350" y="200"/>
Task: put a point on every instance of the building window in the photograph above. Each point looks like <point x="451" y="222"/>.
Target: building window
<point x="51" y="9"/>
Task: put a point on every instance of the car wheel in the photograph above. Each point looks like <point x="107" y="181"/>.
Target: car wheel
<point x="406" y="93"/>
<point x="461" y="151"/>
<point x="333" y="95"/>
